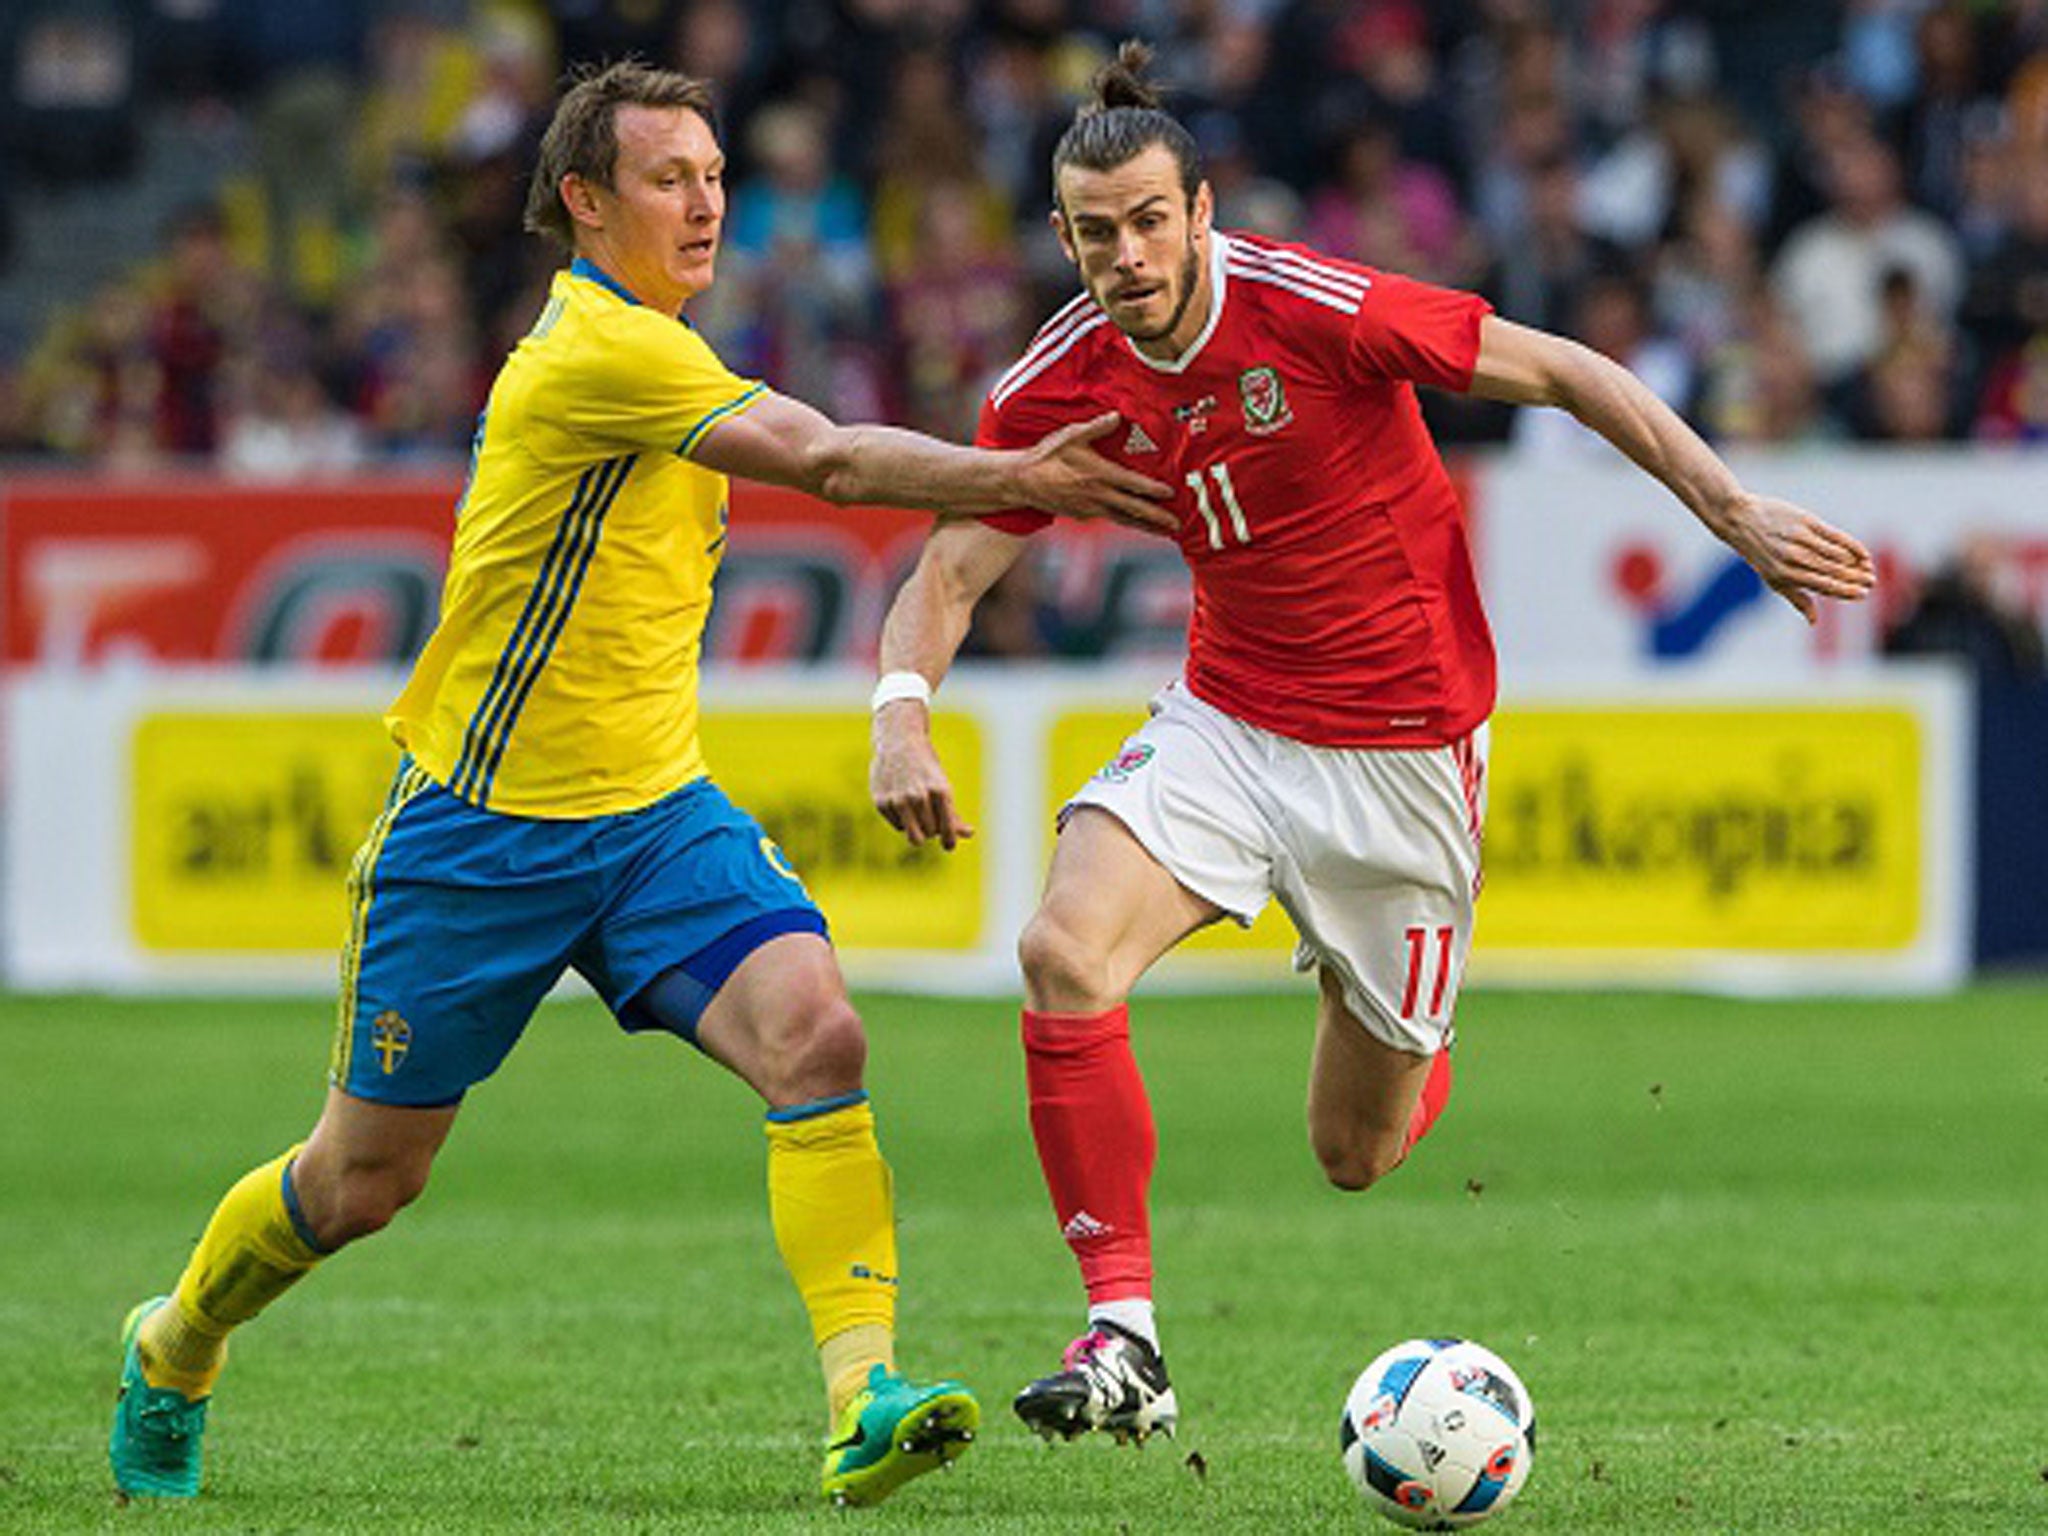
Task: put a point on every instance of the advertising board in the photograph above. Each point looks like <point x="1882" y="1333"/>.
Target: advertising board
<point x="171" y="826"/>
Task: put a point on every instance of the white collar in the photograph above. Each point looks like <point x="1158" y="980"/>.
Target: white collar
<point x="1217" y="282"/>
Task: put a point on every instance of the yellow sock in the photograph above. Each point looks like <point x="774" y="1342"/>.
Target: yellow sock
<point x="847" y="1357"/>
<point x="251" y="1252"/>
<point x="834" y="1212"/>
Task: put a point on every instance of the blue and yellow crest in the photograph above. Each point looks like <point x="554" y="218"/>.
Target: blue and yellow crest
<point x="390" y="1038"/>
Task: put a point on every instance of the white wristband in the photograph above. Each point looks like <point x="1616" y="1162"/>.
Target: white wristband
<point x="900" y="685"/>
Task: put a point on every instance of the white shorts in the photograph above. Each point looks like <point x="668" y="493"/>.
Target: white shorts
<point x="1373" y="852"/>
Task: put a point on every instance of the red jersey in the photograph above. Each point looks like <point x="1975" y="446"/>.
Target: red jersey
<point x="1335" y="600"/>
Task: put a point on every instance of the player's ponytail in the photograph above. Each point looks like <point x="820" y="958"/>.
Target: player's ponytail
<point x="1121" y="119"/>
<point x="1122" y="83"/>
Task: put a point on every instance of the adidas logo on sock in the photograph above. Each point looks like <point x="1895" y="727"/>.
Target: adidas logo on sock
<point x="1081" y="1225"/>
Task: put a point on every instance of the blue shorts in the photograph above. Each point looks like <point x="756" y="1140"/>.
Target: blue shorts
<point x="461" y="920"/>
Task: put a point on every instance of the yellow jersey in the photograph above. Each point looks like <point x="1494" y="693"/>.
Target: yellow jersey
<point x="561" y="678"/>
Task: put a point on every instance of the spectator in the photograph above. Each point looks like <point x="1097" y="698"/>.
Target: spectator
<point x="1911" y="391"/>
<point x="1020" y="113"/>
<point x="1879" y="54"/>
<point x="956" y="311"/>
<point x="2007" y="301"/>
<point x="1705" y="279"/>
<point x="406" y="345"/>
<point x="1611" y="317"/>
<point x="1830" y="274"/>
<point x="1553" y="258"/>
<point x="305" y="59"/>
<point x="418" y="81"/>
<point x="722" y="41"/>
<point x="1936" y="121"/>
<point x="1788" y="410"/>
<point x="1391" y="212"/>
<point x="2027" y="99"/>
<point x="285" y="426"/>
<point x="1685" y="148"/>
<point x="1534" y="141"/>
<point x="1246" y="197"/>
<point x="205" y="308"/>
<point x="1987" y="193"/>
<point x="90" y="377"/>
<point x="1828" y="117"/>
<point x="926" y="142"/>
<point x="1961" y="612"/>
<point x="1531" y="150"/>
<point x="798" y="293"/>
<point x="1387" y="69"/>
<point x="2014" y="408"/>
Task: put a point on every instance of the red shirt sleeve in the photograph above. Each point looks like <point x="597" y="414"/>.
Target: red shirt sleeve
<point x="995" y="430"/>
<point x="1419" y="332"/>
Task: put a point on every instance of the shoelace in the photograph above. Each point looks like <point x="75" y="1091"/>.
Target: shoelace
<point x="1084" y="1349"/>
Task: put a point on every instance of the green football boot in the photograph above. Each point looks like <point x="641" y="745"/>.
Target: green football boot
<point x="155" y="1444"/>
<point x="895" y="1430"/>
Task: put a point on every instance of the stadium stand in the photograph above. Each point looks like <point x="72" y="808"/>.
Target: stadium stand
<point x="1674" y="178"/>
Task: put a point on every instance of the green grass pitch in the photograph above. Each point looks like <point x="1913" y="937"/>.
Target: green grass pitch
<point x="1765" y="1267"/>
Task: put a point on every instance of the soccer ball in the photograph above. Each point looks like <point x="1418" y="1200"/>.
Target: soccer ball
<point x="1438" y="1434"/>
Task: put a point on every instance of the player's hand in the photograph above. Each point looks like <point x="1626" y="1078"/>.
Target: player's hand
<point x="1064" y="475"/>
<point x="909" y="787"/>
<point x="1799" y="557"/>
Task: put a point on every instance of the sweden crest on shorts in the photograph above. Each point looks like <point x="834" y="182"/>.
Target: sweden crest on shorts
<point x="390" y="1038"/>
<point x="1265" y="399"/>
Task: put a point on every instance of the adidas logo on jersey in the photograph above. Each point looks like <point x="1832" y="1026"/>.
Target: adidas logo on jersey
<point x="1138" y="442"/>
<point x="1081" y="1225"/>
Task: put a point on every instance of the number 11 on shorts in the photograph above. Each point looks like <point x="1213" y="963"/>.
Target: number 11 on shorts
<point x="1419" y="958"/>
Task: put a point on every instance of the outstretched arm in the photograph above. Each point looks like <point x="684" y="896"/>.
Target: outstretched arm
<point x="960" y="561"/>
<point x="786" y="442"/>
<point x="1800" y="557"/>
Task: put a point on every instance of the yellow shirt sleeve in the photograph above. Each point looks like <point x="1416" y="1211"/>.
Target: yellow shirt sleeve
<point x="650" y="382"/>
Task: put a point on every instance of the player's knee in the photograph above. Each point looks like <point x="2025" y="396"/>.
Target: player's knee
<point x="1355" y="1160"/>
<point x="365" y="1199"/>
<point x="824" y="1051"/>
<point x="1064" y="971"/>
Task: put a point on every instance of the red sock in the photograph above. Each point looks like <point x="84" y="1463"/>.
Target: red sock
<point x="1436" y="1090"/>
<point x="1096" y="1144"/>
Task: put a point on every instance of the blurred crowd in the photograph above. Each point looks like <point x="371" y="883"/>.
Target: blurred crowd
<point x="1798" y="221"/>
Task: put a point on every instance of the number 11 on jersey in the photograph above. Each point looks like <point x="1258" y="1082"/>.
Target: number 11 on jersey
<point x="1198" y="482"/>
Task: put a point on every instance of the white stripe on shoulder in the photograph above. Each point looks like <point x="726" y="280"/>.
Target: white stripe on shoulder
<point x="1021" y="375"/>
<point x="1079" y="301"/>
<point x="1049" y="334"/>
<point x="1336" y="279"/>
<point x="1275" y="279"/>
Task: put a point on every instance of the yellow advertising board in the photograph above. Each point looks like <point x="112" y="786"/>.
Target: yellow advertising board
<point x="242" y="826"/>
<point x="1705" y="827"/>
<point x="1698" y="834"/>
<point x="804" y="776"/>
<point x="1642" y="828"/>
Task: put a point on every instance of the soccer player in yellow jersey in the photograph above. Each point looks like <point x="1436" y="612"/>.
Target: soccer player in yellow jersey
<point x="552" y="808"/>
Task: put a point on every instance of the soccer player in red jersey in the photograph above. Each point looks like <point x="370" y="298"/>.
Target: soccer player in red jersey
<point x="1327" y="741"/>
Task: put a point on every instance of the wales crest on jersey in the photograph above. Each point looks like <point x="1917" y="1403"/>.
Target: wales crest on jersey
<point x="1265" y="399"/>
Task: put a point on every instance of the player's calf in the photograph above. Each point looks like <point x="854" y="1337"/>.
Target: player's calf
<point x="1356" y="1154"/>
